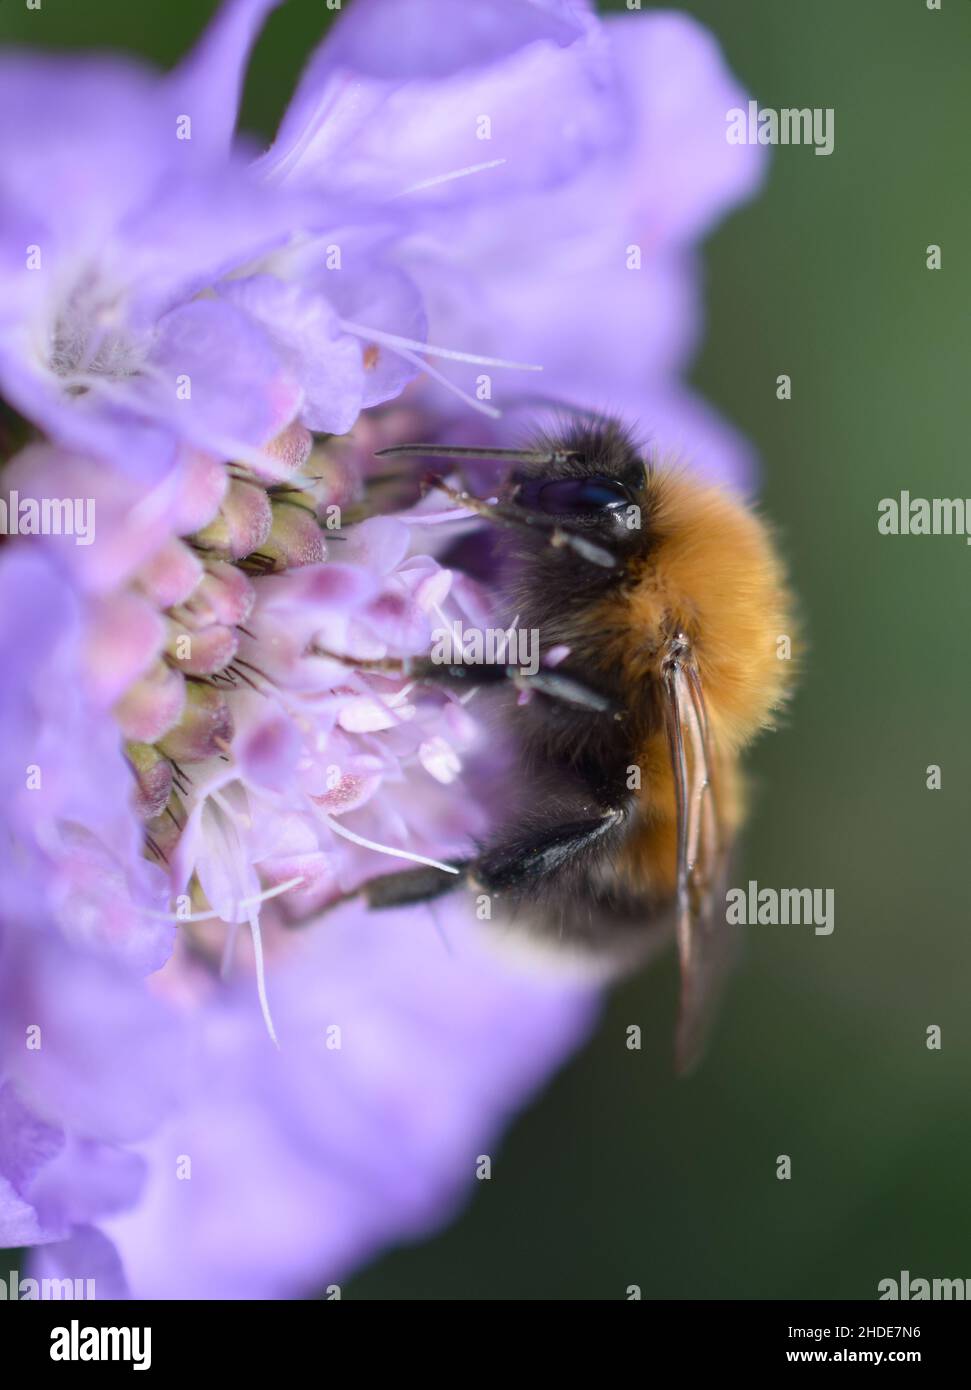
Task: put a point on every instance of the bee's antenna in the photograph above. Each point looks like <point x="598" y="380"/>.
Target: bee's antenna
<point x="504" y="515"/>
<point x="447" y="451"/>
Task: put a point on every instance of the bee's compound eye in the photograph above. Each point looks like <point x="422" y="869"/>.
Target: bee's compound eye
<point x="572" y="496"/>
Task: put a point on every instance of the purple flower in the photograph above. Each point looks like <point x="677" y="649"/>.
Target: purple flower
<point x="200" y="767"/>
<point x="126" y="206"/>
<point x="72" y="848"/>
<point x="556" y="196"/>
<point x="395" y="1072"/>
<point x="115" y="217"/>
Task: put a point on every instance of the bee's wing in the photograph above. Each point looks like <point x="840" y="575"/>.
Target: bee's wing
<point x="705" y="944"/>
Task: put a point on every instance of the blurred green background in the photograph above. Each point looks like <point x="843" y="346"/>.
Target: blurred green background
<point x="621" y="1174"/>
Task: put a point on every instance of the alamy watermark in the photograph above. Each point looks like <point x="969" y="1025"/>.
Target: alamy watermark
<point x="16" y="1290"/>
<point x="490" y="646"/>
<point x="48" y="516"/>
<point x="924" y="516"/>
<point x="797" y="907"/>
<point x="77" y="1343"/>
<point x="909" y="1288"/>
<point x="789" y="126"/>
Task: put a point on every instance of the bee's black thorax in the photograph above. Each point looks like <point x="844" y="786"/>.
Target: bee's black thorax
<point x="562" y="597"/>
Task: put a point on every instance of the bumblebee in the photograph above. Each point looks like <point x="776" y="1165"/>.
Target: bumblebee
<point x="670" y="599"/>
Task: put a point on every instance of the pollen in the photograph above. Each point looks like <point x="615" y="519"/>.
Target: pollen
<point x="370" y="356"/>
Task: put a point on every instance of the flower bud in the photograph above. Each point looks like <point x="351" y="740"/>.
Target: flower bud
<point x="125" y="634"/>
<point x="205" y="728"/>
<point x="295" y="537"/>
<point x="291" y="447"/>
<point x="223" y="595"/>
<point x="170" y="576"/>
<point x="242" y="525"/>
<point x="162" y="832"/>
<point x="204" y="482"/>
<point x="153" y="779"/>
<point x="152" y="704"/>
<point x="202" y="651"/>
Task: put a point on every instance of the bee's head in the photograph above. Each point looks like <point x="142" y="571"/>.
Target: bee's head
<point x="579" y="490"/>
<point x="585" y="473"/>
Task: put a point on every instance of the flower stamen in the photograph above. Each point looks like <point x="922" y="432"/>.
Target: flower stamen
<point x="339" y="829"/>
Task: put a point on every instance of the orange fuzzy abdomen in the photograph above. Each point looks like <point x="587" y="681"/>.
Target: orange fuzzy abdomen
<point x="712" y="573"/>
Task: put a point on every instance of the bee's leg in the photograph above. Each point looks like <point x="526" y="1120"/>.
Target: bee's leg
<point x="504" y="514"/>
<point x="558" y="685"/>
<point x="531" y="856"/>
<point x="521" y="861"/>
<point x="412" y="886"/>
<point x="553" y="682"/>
